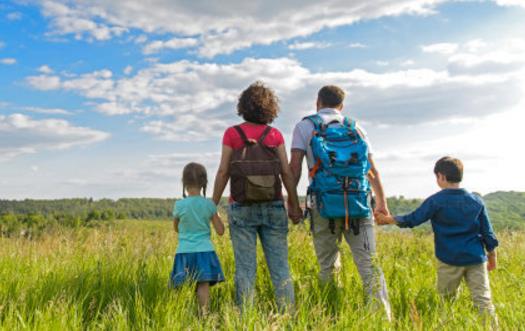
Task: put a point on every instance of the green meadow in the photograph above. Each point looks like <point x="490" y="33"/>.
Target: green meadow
<point x="114" y="275"/>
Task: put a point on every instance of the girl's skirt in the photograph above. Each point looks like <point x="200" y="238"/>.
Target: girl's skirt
<point x="197" y="267"/>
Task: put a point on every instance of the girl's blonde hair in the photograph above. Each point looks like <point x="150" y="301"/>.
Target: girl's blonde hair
<point x="194" y="174"/>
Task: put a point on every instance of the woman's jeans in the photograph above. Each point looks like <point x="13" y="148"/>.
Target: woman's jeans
<point x="270" y="222"/>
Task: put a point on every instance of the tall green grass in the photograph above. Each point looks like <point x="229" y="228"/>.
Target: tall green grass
<point x="114" y="277"/>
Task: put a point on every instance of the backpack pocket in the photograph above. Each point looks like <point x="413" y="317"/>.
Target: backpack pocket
<point x="332" y="204"/>
<point x="260" y="188"/>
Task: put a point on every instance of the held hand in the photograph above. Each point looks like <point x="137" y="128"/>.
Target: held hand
<point x="295" y="214"/>
<point x="379" y="219"/>
<point x="381" y="208"/>
<point x="382" y="219"/>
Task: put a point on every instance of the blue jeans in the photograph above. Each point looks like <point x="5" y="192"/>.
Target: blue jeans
<point x="270" y="222"/>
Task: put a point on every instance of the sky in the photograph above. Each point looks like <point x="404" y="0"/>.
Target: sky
<point x="110" y="99"/>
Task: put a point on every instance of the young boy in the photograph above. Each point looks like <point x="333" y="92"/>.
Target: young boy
<point x="462" y="233"/>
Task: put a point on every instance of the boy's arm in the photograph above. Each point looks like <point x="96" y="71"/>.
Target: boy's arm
<point x="176" y="224"/>
<point x="487" y="234"/>
<point x="422" y="214"/>
<point x="218" y="225"/>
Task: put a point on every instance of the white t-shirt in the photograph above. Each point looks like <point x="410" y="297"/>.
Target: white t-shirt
<point x="303" y="132"/>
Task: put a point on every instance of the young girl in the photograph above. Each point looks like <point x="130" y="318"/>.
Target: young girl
<point x="195" y="259"/>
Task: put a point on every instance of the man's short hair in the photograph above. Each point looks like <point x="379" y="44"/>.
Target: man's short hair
<point x="331" y="96"/>
<point x="451" y="168"/>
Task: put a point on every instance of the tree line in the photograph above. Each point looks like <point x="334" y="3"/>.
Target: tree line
<point x="31" y="218"/>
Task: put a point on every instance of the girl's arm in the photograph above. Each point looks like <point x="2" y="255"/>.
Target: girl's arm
<point x="218" y="225"/>
<point x="294" y="211"/>
<point x="176" y="224"/>
<point x="223" y="174"/>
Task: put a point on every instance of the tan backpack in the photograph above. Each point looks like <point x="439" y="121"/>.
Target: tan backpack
<point x="255" y="171"/>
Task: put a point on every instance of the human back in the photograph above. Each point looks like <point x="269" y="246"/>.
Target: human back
<point x="254" y="161"/>
<point x="194" y="213"/>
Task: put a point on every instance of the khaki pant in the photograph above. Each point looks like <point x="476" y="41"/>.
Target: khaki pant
<point x="477" y="279"/>
<point x="363" y="247"/>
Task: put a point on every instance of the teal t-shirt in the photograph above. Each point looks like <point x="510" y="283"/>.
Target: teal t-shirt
<point x="194" y="214"/>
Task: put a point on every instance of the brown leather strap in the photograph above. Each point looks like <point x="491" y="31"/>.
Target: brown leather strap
<point x="264" y="134"/>
<point x="242" y="134"/>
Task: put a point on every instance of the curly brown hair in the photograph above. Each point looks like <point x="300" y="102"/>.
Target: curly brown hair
<point x="194" y="175"/>
<point x="258" y="104"/>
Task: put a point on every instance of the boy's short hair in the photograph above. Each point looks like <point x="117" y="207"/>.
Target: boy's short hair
<point x="331" y="96"/>
<point x="451" y="168"/>
<point x="258" y="104"/>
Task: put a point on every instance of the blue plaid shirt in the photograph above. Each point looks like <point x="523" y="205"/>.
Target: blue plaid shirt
<point x="462" y="229"/>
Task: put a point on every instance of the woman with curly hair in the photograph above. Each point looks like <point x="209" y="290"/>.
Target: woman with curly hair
<point x="254" y="160"/>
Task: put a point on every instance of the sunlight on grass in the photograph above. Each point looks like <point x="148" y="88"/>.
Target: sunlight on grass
<point x="115" y="277"/>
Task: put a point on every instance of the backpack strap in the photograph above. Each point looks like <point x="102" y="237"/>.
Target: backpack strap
<point x="351" y="124"/>
<point x="264" y="134"/>
<point x="316" y="120"/>
<point x="242" y="134"/>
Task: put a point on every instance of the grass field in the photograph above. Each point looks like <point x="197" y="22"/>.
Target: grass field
<point x="114" y="277"/>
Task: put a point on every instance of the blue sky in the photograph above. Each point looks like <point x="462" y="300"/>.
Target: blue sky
<point x="111" y="99"/>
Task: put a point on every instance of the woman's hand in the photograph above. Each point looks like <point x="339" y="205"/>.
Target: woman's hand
<point x="295" y="213"/>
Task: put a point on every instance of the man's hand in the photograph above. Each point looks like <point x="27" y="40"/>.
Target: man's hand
<point x="381" y="208"/>
<point x="492" y="262"/>
<point x="382" y="219"/>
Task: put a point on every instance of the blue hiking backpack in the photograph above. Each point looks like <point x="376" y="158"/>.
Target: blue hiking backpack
<point x="339" y="178"/>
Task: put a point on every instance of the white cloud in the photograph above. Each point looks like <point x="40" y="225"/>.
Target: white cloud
<point x="511" y="3"/>
<point x="47" y="111"/>
<point x="8" y="61"/>
<point x="475" y="45"/>
<point x="175" y="43"/>
<point x="44" y="82"/>
<point x="222" y="27"/>
<point x="480" y="57"/>
<point x="382" y="63"/>
<point x="45" y="69"/>
<point x="128" y="70"/>
<point x="440" y="48"/>
<point x="308" y="45"/>
<point x="176" y="88"/>
<point x="187" y="127"/>
<point x="75" y="20"/>
<point x="356" y="45"/>
<point x="407" y="63"/>
<point x="14" y="16"/>
<point x="20" y="134"/>
<point x="180" y="94"/>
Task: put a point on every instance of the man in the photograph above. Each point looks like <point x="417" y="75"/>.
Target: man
<point x="326" y="237"/>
